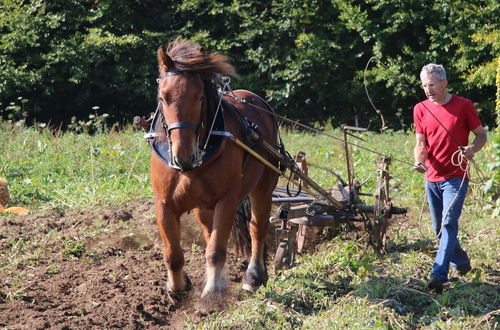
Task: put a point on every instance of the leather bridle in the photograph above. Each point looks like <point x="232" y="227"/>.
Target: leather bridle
<point x="197" y="161"/>
<point x="181" y="124"/>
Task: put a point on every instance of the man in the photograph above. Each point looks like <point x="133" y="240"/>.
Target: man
<point x="443" y="123"/>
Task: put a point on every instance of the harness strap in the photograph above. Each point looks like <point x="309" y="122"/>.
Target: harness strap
<point x="175" y="73"/>
<point x="182" y="124"/>
<point x="250" y="131"/>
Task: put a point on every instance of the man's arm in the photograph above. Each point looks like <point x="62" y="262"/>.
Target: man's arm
<point x="477" y="144"/>
<point x="420" y="153"/>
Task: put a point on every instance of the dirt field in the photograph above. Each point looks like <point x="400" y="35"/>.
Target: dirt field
<point x="117" y="279"/>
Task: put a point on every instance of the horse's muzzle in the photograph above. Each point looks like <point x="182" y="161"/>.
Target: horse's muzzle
<point x="181" y="165"/>
<point x="188" y="163"/>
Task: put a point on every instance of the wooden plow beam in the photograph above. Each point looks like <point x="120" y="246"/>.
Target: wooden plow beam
<point x="289" y="164"/>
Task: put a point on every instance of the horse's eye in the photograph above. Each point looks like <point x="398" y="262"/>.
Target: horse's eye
<point x="162" y="98"/>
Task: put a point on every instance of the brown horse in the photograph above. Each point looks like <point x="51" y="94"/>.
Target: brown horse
<point x="186" y="177"/>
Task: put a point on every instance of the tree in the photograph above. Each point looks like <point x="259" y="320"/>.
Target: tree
<point x="408" y="34"/>
<point x="68" y="57"/>
<point x="306" y="57"/>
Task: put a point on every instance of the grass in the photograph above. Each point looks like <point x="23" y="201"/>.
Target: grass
<point x="73" y="170"/>
<point x="342" y="285"/>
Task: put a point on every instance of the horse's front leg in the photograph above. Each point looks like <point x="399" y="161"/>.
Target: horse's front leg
<point x="205" y="218"/>
<point x="223" y="217"/>
<point x="169" y="226"/>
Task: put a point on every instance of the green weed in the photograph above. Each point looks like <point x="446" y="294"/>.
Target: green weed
<point x="52" y="269"/>
<point x="73" y="248"/>
<point x="73" y="170"/>
<point x="16" y="294"/>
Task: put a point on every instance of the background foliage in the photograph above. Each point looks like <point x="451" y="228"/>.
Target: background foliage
<point x="80" y="57"/>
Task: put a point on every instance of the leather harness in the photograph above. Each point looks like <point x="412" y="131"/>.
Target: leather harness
<point x="158" y="136"/>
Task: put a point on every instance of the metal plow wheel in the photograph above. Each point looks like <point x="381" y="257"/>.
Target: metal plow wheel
<point x="286" y="251"/>
<point x="382" y="210"/>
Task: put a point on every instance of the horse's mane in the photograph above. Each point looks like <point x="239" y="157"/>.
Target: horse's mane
<point x="190" y="57"/>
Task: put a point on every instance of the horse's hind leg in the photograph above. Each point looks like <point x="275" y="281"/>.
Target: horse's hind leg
<point x="170" y="231"/>
<point x="256" y="274"/>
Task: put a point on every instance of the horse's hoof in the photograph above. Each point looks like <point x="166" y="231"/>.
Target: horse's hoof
<point x="249" y="287"/>
<point x="210" y="303"/>
<point x="174" y="297"/>
<point x="255" y="276"/>
<point x="187" y="286"/>
<point x="188" y="283"/>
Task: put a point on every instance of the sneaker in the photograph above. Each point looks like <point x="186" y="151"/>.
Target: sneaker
<point x="464" y="269"/>
<point x="436" y="284"/>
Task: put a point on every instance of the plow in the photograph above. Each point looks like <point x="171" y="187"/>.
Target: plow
<point x="309" y="205"/>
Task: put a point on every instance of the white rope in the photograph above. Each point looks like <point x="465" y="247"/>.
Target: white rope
<point x="458" y="159"/>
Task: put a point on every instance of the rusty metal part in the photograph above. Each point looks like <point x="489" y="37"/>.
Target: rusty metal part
<point x="313" y="185"/>
<point x="300" y="160"/>
<point x="4" y="193"/>
<point x="388" y="209"/>
<point x="286" y="251"/>
<point x="382" y="210"/>
<point x="286" y="236"/>
<point x="301" y="237"/>
<point x="139" y="121"/>
<point x="307" y="210"/>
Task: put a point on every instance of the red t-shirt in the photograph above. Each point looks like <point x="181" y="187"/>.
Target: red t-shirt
<point x="459" y="116"/>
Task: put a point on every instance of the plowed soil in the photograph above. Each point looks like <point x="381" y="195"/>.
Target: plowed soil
<point x="98" y="269"/>
<point x="103" y="268"/>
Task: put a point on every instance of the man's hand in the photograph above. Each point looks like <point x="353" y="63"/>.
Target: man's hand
<point x="420" y="153"/>
<point x="420" y="167"/>
<point x="468" y="152"/>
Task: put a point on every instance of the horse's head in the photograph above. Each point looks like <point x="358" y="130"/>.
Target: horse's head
<point x="181" y="95"/>
<point x="183" y="68"/>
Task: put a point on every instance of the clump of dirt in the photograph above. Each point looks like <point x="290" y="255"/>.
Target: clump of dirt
<point x="100" y="268"/>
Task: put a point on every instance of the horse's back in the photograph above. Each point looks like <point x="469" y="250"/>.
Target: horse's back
<point x="257" y="111"/>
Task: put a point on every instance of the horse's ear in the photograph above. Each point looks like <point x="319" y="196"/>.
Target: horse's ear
<point x="165" y="63"/>
<point x="202" y="51"/>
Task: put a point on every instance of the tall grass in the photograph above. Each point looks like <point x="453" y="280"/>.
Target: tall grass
<point x="46" y="168"/>
<point x="343" y="285"/>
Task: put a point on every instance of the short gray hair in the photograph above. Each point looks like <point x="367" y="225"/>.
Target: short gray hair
<point x="436" y="70"/>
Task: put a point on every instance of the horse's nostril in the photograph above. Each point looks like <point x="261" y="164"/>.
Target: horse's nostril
<point x="183" y="165"/>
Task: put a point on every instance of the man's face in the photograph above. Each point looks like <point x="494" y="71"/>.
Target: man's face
<point x="434" y="89"/>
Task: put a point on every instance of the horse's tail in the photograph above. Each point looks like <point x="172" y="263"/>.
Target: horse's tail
<point x="242" y="241"/>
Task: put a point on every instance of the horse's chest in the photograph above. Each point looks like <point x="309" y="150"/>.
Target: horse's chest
<point x="194" y="193"/>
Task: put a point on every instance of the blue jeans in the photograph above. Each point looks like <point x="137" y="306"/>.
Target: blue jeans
<point x="445" y="223"/>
